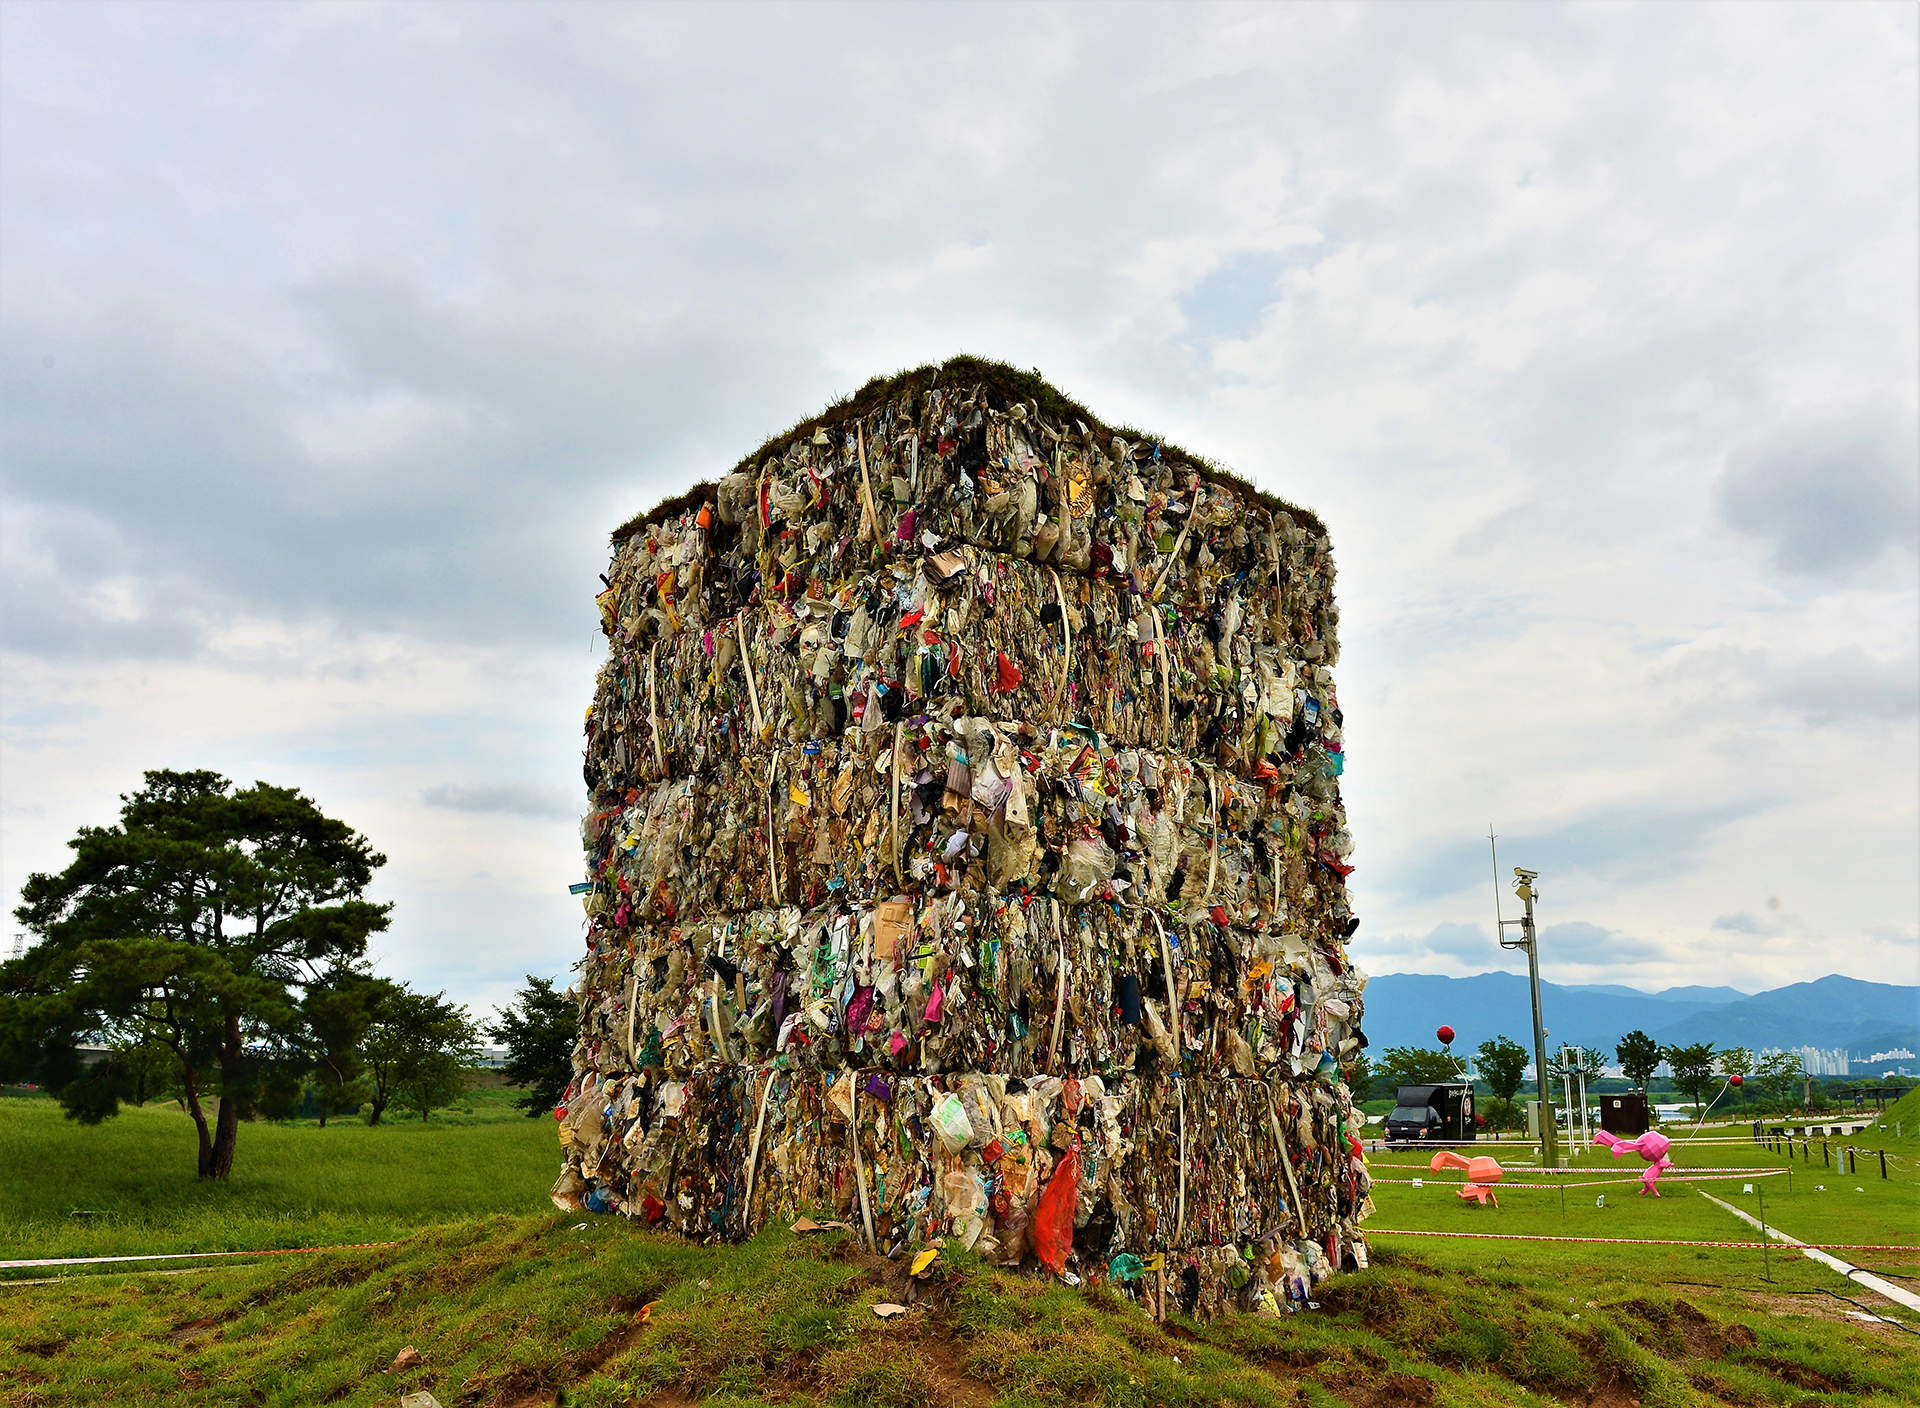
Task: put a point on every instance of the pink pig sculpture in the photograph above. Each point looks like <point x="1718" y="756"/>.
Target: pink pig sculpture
<point x="1651" y="1146"/>
<point x="1482" y="1173"/>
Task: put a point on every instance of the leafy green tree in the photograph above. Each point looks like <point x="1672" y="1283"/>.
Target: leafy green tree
<point x="1639" y="1056"/>
<point x="1778" y="1074"/>
<point x="539" y="1032"/>
<point x="1420" y="1065"/>
<point x="1359" y="1074"/>
<point x="338" y="1012"/>
<point x="415" y="1049"/>
<point x="1693" y="1073"/>
<point x="1504" y="1114"/>
<point x="1736" y="1061"/>
<point x="203" y="914"/>
<point x="1502" y="1063"/>
<point x="147" y="1064"/>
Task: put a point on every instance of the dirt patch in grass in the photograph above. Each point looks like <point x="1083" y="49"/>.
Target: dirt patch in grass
<point x="948" y="1371"/>
<point x="1803" y="1375"/>
<point x="188" y="1335"/>
<point x="1720" y="1387"/>
<point x="463" y="1273"/>
<point x="1378" y="1391"/>
<point x="1680" y="1328"/>
<point x="1292" y="1361"/>
<point x="619" y="1342"/>
<point x="324" y="1274"/>
<point x="520" y="1387"/>
<point x="1406" y="1391"/>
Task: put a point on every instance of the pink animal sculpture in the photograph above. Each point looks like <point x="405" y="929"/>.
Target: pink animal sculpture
<point x="1482" y="1173"/>
<point x="1651" y="1146"/>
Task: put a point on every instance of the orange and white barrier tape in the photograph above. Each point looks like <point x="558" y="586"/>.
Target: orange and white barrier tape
<point x="1632" y="1241"/>
<point x="183" y="1256"/>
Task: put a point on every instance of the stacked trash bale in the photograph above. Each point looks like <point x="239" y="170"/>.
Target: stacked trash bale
<point x="966" y="852"/>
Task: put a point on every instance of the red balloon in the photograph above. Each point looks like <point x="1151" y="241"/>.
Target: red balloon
<point x="1446" y="1036"/>
<point x="1736" y="1080"/>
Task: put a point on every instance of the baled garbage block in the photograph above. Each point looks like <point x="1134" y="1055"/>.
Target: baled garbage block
<point x="964" y="842"/>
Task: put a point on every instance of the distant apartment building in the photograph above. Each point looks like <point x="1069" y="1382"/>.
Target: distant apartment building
<point x="1816" y="1062"/>
<point x="1899" y="1053"/>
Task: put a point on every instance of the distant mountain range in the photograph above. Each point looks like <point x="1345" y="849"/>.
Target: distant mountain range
<point x="1403" y="1009"/>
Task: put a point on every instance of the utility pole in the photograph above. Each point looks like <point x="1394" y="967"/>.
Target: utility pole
<point x="1530" y="941"/>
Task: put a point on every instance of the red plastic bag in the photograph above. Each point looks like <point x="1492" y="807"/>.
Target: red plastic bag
<point x="1053" y="1218"/>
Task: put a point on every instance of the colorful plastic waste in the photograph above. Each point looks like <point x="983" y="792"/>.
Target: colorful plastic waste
<point x="965" y="853"/>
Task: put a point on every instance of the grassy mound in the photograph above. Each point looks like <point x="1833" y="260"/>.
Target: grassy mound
<point x="512" y="1304"/>
<point x="545" y="1310"/>
<point x="1900" y="1125"/>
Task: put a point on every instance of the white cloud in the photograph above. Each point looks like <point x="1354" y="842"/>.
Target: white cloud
<point x="1831" y="496"/>
<point x="334" y="339"/>
<point x="511" y="798"/>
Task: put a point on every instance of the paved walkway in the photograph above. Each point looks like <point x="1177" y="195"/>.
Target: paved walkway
<point x="1897" y="1294"/>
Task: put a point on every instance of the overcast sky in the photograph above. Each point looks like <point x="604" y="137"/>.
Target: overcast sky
<point x="335" y="338"/>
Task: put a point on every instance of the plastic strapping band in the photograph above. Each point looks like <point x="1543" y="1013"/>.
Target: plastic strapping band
<point x="1166" y="682"/>
<point x="893" y="801"/>
<point x="1180" y="1218"/>
<point x="1181" y="541"/>
<point x="1273" y="545"/>
<point x="859" y="1174"/>
<point x="1060" y="991"/>
<point x="1213" y="855"/>
<point x="753" y="1153"/>
<point x="773" y="871"/>
<point x="633" y="1007"/>
<point x="653" y="706"/>
<point x="1286" y="1163"/>
<point x="1066" y="634"/>
<point x="746" y="668"/>
<point x="871" y="527"/>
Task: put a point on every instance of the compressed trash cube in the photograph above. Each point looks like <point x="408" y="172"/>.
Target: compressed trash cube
<point x="965" y="853"/>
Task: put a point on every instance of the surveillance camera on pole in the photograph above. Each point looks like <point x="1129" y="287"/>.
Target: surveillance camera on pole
<point x="1530" y="941"/>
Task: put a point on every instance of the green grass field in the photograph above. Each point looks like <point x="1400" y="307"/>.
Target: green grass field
<point x="512" y="1304"/>
<point x="1803" y="1198"/>
<point x="129" y="1186"/>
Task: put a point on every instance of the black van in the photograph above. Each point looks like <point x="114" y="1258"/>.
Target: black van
<point x="1431" y="1114"/>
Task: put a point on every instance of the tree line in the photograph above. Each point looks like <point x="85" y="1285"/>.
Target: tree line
<point x="1698" y="1070"/>
<point x="212" y="946"/>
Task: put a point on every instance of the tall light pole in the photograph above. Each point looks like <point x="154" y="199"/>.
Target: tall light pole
<point x="1530" y="941"/>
